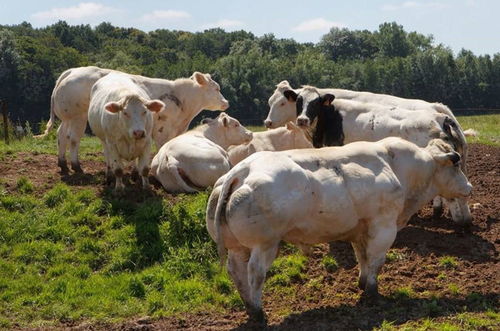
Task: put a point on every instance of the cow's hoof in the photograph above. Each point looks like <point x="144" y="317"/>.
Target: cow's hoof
<point x="257" y="315"/>
<point x="77" y="168"/>
<point x="63" y="165"/>
<point x="371" y="291"/>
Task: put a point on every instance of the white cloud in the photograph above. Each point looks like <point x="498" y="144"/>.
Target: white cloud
<point x="224" y="24"/>
<point x="75" y="13"/>
<point x="166" y="15"/>
<point x="414" y="5"/>
<point x="316" y="24"/>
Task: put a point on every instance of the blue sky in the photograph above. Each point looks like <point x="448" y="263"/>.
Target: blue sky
<point x="469" y="24"/>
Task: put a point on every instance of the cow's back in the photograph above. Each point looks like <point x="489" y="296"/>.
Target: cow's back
<point x="71" y="96"/>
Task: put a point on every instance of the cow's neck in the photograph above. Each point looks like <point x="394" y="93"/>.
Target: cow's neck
<point x="215" y="134"/>
<point x="416" y="198"/>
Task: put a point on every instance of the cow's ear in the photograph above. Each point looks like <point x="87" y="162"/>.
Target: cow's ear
<point x="200" y="78"/>
<point x="290" y="95"/>
<point x="155" y="105"/>
<point x="327" y="99"/>
<point x="225" y="121"/>
<point x="452" y="158"/>
<point x="206" y="120"/>
<point x="113" y="107"/>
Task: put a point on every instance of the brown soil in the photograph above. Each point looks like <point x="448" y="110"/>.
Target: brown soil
<point x="336" y="303"/>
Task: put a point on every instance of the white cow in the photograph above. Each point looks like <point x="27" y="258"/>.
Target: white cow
<point x="363" y="192"/>
<point x="373" y="121"/>
<point x="121" y="115"/>
<point x="280" y="139"/>
<point x="196" y="159"/>
<point x="185" y="97"/>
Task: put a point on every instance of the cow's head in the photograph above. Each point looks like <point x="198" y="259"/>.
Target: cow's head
<point x="211" y="97"/>
<point x="449" y="179"/>
<point x="309" y="104"/>
<point x="281" y="109"/>
<point x="136" y="113"/>
<point x="297" y="136"/>
<point x="231" y="131"/>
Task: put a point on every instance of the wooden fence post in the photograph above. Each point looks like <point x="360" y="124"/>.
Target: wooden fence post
<point x="5" y="121"/>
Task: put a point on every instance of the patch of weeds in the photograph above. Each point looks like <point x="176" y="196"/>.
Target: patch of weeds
<point x="405" y="292"/>
<point x="57" y="195"/>
<point x="136" y="288"/>
<point x="18" y="203"/>
<point x="223" y="284"/>
<point x="394" y="255"/>
<point x="287" y="269"/>
<point x="386" y="326"/>
<point x="441" y="276"/>
<point x="329" y="263"/>
<point x="449" y="262"/>
<point x="24" y="185"/>
<point x="454" y="289"/>
<point x="316" y="283"/>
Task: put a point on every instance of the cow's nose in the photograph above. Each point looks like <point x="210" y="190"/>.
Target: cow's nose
<point x="138" y="134"/>
<point x="302" y="121"/>
<point x="225" y="105"/>
<point x="268" y="124"/>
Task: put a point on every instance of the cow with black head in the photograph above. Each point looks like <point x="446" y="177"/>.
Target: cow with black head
<point x="317" y="113"/>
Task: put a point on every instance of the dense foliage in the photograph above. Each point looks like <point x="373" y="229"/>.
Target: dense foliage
<point x="389" y="60"/>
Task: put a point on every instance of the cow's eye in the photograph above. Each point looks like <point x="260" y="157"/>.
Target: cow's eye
<point x="282" y="104"/>
<point x="126" y="114"/>
<point x="144" y="113"/>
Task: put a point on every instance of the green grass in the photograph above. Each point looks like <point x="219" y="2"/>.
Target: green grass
<point x="449" y="262"/>
<point x="487" y="126"/>
<point x="70" y="255"/>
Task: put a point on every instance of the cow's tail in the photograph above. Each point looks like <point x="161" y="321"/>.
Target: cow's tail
<point x="231" y="179"/>
<point x="180" y="177"/>
<point x="52" y="118"/>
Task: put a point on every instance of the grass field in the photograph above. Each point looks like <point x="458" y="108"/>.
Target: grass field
<point x="69" y="255"/>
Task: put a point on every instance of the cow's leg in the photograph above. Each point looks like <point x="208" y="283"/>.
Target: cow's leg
<point x="109" y="171"/>
<point x="76" y="132"/>
<point x="260" y="261"/>
<point x="143" y="165"/>
<point x="62" y="144"/>
<point x="116" y="166"/>
<point x="237" y="266"/>
<point x="460" y="212"/>
<point x="437" y="206"/>
<point x="360" y="252"/>
<point x="381" y="234"/>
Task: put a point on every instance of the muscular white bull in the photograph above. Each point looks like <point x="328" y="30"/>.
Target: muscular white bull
<point x="339" y="121"/>
<point x="363" y="192"/>
<point x="121" y="115"/>
<point x="280" y="139"/>
<point x="196" y="159"/>
<point x="186" y="97"/>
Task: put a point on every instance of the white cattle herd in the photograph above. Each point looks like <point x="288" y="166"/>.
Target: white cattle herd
<point x="390" y="156"/>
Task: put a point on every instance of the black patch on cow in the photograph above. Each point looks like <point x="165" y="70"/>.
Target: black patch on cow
<point x="172" y="98"/>
<point x="372" y="122"/>
<point x="328" y="130"/>
<point x="337" y="170"/>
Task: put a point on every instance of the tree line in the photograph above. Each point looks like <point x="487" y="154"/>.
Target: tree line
<point x="389" y="60"/>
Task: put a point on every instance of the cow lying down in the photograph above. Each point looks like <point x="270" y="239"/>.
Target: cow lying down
<point x="280" y="139"/>
<point x="195" y="160"/>
<point x="363" y="192"/>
